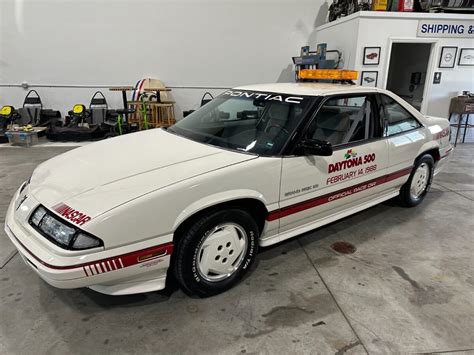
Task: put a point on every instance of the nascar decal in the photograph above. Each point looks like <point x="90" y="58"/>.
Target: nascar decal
<point x="351" y="160"/>
<point x="71" y="214"/>
<point x="264" y="96"/>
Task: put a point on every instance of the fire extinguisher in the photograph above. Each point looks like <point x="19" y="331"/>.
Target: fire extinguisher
<point x="405" y="5"/>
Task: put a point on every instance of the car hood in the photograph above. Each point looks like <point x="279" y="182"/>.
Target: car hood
<point x="100" y="176"/>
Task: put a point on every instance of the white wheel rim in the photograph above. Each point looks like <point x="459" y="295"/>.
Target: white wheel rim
<point x="222" y="252"/>
<point x="420" y="181"/>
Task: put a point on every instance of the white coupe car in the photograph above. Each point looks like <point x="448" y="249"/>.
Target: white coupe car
<point x="257" y="165"/>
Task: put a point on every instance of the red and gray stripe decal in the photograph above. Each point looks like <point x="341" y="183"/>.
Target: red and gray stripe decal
<point x="113" y="263"/>
<point x="447" y="153"/>
<point x="103" y="266"/>
<point x="123" y="261"/>
<point x="321" y="200"/>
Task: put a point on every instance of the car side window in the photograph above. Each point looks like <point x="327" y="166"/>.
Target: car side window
<point x="398" y="119"/>
<point x="343" y="120"/>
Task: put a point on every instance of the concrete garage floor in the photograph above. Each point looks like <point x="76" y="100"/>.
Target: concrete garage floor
<point x="409" y="287"/>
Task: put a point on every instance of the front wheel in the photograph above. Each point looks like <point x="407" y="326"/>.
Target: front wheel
<point x="216" y="252"/>
<point x="417" y="186"/>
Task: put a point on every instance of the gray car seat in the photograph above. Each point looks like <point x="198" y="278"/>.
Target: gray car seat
<point x="331" y="127"/>
<point x="278" y="115"/>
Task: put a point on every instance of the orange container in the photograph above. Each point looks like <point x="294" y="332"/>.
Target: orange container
<point x="379" y="5"/>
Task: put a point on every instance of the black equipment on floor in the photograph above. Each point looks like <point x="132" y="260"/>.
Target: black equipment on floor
<point x="93" y="123"/>
<point x="8" y="116"/>
<point x="117" y="123"/>
<point x="33" y="113"/>
<point x="77" y="127"/>
<point x="83" y="124"/>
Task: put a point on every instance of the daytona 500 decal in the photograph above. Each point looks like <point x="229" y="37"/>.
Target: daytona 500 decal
<point x="351" y="160"/>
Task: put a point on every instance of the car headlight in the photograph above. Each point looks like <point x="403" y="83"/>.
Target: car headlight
<point x="57" y="230"/>
<point x="62" y="233"/>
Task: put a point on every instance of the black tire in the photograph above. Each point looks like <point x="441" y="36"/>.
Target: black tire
<point x="405" y="197"/>
<point x="185" y="261"/>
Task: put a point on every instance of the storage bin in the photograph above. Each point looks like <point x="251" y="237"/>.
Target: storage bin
<point x="22" y="138"/>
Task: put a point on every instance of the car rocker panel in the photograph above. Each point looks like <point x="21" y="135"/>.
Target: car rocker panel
<point x="134" y="209"/>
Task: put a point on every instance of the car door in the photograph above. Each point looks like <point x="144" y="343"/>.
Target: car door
<point x="314" y="187"/>
<point x="405" y="137"/>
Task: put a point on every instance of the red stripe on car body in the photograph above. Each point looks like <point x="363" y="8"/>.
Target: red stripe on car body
<point x="132" y="258"/>
<point x="321" y="200"/>
<point x="447" y="153"/>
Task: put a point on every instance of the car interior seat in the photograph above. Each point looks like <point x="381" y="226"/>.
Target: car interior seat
<point x="331" y="127"/>
<point x="277" y="118"/>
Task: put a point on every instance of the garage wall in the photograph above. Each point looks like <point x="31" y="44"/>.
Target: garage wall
<point x="380" y="29"/>
<point x="205" y="43"/>
<point x="454" y="80"/>
<point x="405" y="59"/>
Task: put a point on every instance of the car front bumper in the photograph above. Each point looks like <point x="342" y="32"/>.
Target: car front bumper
<point x="135" y="268"/>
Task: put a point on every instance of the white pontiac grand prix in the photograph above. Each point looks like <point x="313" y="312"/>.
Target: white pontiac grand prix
<point x="257" y="165"/>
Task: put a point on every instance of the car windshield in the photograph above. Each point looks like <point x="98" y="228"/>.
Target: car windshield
<point x="248" y="121"/>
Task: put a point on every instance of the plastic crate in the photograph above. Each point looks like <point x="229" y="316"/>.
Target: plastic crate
<point x="22" y="138"/>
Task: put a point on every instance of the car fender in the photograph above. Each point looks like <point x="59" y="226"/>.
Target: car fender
<point x="159" y="213"/>
<point x="427" y="146"/>
<point x="215" y="199"/>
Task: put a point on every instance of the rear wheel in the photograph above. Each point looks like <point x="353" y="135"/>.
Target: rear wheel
<point x="216" y="252"/>
<point x="418" y="185"/>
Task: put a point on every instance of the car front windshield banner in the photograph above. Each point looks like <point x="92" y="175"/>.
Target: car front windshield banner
<point x="247" y="121"/>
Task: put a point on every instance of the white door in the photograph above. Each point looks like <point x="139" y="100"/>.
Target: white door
<point x="313" y="187"/>
<point x="405" y="137"/>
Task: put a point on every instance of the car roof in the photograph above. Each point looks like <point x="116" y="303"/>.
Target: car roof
<point x="308" y="88"/>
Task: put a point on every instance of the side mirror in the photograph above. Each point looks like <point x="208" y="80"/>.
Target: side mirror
<point x="316" y="147"/>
